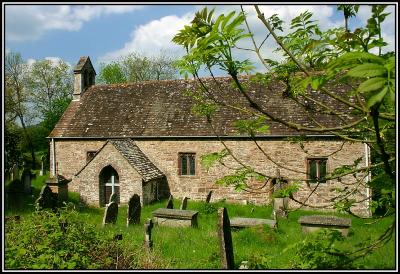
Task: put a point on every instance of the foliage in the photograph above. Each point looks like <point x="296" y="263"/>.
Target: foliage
<point x="136" y="67"/>
<point x="55" y="241"/>
<point x="287" y="191"/>
<point x="320" y="252"/>
<point x="313" y="60"/>
<point x="51" y="85"/>
<point x="12" y="147"/>
<point x="111" y="74"/>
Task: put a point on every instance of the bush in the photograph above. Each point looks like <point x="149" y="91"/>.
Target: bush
<point x="48" y="240"/>
<point x="319" y="251"/>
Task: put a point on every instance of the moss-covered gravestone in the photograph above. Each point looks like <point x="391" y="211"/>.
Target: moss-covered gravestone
<point x="110" y="213"/>
<point x="134" y="209"/>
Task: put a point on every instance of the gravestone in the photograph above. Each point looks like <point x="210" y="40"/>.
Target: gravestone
<point x="26" y="179"/>
<point x="42" y="159"/>
<point x="113" y="198"/>
<point x="134" y="209"/>
<point x="175" y="217"/>
<point x="208" y="198"/>
<point x="280" y="204"/>
<point x="110" y="213"/>
<point x="14" y="172"/>
<point x="312" y="223"/>
<point x="170" y="203"/>
<point x="46" y="199"/>
<point x="184" y="203"/>
<point x="148" y="225"/>
<point x="225" y="239"/>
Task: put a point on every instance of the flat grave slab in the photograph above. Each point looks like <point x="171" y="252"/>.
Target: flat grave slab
<point x="175" y="217"/>
<point x="315" y="222"/>
<point x="239" y="222"/>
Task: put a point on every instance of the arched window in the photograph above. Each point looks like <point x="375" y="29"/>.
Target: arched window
<point x="109" y="184"/>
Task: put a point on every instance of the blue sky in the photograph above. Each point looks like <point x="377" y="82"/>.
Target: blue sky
<point x="105" y="32"/>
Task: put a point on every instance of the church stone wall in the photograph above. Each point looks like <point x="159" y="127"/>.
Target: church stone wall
<point x="290" y="158"/>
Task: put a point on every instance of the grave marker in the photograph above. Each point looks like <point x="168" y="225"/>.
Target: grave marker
<point x="110" y="213"/>
<point x="184" y="203"/>
<point x="134" y="209"/>
<point x="208" y="198"/>
<point x="225" y="239"/>
<point x="170" y="203"/>
<point x="46" y="199"/>
<point x="148" y="242"/>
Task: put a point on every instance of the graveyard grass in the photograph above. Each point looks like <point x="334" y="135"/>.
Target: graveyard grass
<point x="198" y="248"/>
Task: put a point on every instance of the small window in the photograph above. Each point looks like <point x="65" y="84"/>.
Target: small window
<point x="187" y="164"/>
<point x="90" y="155"/>
<point x="316" y="169"/>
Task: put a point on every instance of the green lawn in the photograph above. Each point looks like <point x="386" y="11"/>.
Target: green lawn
<point x="198" y="248"/>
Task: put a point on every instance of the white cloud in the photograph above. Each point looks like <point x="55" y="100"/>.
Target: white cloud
<point x="151" y="38"/>
<point x="54" y="61"/>
<point x="29" y="22"/>
<point x="157" y="34"/>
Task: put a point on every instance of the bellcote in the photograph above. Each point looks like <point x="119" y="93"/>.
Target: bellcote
<point x="84" y="76"/>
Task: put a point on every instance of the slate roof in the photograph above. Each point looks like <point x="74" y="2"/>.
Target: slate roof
<point x="81" y="63"/>
<point x="135" y="157"/>
<point x="161" y="109"/>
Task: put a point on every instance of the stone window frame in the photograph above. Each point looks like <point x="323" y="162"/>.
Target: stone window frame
<point x="90" y="155"/>
<point x="187" y="154"/>
<point x="308" y="167"/>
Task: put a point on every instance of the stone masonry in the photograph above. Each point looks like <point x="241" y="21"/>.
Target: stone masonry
<point x="71" y="157"/>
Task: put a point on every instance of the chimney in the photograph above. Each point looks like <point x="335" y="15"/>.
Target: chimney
<point x="84" y="77"/>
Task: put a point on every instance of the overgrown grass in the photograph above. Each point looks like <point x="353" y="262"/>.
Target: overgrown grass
<point x="198" y="248"/>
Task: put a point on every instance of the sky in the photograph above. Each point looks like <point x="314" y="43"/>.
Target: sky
<point x="106" y="32"/>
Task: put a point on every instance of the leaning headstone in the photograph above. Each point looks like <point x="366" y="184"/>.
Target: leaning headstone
<point x="225" y="239"/>
<point x="26" y="179"/>
<point x="113" y="198"/>
<point x="134" y="209"/>
<point x="184" y="203"/>
<point x="208" y="198"/>
<point x="46" y="199"/>
<point x="170" y="203"/>
<point x="148" y="242"/>
<point x="110" y="213"/>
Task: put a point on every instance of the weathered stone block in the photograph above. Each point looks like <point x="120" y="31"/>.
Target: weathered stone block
<point x="175" y="217"/>
<point x="316" y="222"/>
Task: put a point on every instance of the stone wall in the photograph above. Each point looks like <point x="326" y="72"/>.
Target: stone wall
<point x="290" y="158"/>
<point x="87" y="182"/>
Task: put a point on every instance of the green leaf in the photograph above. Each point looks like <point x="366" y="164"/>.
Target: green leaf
<point x="377" y="97"/>
<point x="367" y="70"/>
<point x="372" y="84"/>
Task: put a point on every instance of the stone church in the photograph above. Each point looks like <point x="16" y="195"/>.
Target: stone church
<point x="144" y="138"/>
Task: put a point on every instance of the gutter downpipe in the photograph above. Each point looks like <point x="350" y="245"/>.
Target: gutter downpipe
<point x="53" y="147"/>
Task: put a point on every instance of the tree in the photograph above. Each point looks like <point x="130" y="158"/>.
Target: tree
<point x="137" y="67"/>
<point x="51" y="85"/>
<point x="312" y="59"/>
<point x="17" y="95"/>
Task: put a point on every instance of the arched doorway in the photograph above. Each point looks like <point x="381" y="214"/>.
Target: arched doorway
<point x="108" y="183"/>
